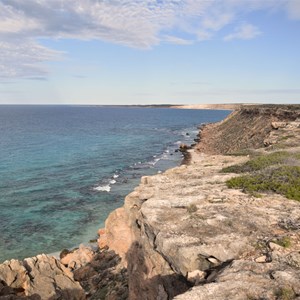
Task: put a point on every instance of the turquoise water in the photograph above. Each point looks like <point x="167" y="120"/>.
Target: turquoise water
<point x="64" y="168"/>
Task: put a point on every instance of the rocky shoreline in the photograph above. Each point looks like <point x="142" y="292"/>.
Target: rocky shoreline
<point x="184" y="234"/>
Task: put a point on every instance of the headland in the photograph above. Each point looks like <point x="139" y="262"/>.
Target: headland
<point x="224" y="226"/>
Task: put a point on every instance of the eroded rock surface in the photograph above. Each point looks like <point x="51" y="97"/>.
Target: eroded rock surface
<point x="183" y="234"/>
<point x="42" y="277"/>
<point x="191" y="222"/>
<point x="249" y="280"/>
<point x="187" y="228"/>
<point x="78" y="257"/>
<point x="249" y="128"/>
<point x="104" y="277"/>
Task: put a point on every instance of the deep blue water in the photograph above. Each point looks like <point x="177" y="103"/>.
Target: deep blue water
<point x="64" y="168"/>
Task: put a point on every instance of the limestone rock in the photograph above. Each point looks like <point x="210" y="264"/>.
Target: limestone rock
<point x="247" y="280"/>
<point x="276" y="125"/>
<point x="274" y="246"/>
<point x="196" y="276"/>
<point x="118" y="233"/>
<point x="78" y="257"/>
<point x="261" y="259"/>
<point x="41" y="277"/>
<point x="226" y="238"/>
<point x="293" y="259"/>
<point x="14" y="274"/>
<point x="171" y="242"/>
<point x="102" y="240"/>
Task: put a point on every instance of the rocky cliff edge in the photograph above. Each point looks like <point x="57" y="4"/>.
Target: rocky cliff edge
<point x="184" y="234"/>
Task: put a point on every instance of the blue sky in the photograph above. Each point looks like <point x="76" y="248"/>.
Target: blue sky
<point x="149" y="51"/>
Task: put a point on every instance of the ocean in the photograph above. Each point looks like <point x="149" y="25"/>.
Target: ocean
<point x="63" y="169"/>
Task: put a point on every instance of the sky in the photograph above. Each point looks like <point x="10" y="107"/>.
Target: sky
<point x="108" y="52"/>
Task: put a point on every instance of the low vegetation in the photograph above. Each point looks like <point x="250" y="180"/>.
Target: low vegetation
<point x="277" y="172"/>
<point x="259" y="163"/>
<point x="192" y="208"/>
<point x="284" y="242"/>
<point x="283" y="180"/>
<point x="285" y="293"/>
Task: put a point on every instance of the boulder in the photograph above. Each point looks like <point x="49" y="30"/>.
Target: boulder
<point x="118" y="232"/>
<point x="78" y="258"/>
<point x="14" y="274"/>
<point x="277" y="125"/>
<point x="41" y="277"/>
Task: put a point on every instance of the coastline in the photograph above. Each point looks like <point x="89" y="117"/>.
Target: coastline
<point x="64" y="262"/>
<point x="183" y="234"/>
<point x="186" y="157"/>
<point x="130" y="161"/>
<point x="185" y="228"/>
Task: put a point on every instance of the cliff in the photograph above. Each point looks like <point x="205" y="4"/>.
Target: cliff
<point x="247" y="128"/>
<point x="185" y="234"/>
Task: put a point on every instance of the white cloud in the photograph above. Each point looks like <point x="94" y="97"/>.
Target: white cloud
<point x="23" y="59"/>
<point x="243" y="32"/>
<point x="217" y="20"/>
<point x="177" y="41"/>
<point x="293" y="9"/>
<point x="135" y="23"/>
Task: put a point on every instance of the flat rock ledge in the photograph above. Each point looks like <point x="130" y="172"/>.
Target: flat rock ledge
<point x="185" y="235"/>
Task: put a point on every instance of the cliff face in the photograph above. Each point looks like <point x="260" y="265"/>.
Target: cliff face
<point x="184" y="234"/>
<point x="247" y="128"/>
<point x="185" y="228"/>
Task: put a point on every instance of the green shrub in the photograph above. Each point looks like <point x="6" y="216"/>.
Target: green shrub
<point x="258" y="163"/>
<point x="192" y="208"/>
<point x="285" y="293"/>
<point x="283" y="180"/>
<point x="284" y="242"/>
<point x="286" y="137"/>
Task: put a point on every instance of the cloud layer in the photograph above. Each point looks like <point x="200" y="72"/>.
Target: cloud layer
<point x="243" y="32"/>
<point x="133" y="23"/>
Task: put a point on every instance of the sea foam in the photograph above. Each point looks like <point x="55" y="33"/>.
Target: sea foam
<point x="103" y="188"/>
